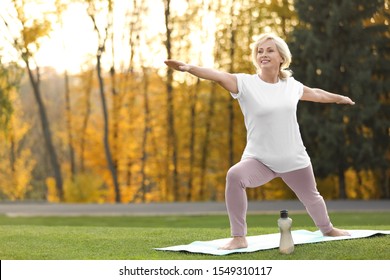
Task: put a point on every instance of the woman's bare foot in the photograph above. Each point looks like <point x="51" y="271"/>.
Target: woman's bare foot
<point x="237" y="242"/>
<point x="337" y="232"/>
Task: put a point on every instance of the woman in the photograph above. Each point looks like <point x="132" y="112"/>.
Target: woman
<point x="274" y="148"/>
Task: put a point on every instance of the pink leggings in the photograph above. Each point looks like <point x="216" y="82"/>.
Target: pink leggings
<point x="250" y="173"/>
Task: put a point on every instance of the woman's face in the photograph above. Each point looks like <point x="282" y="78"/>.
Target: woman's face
<point x="268" y="55"/>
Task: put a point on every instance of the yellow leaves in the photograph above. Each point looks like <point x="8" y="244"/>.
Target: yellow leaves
<point x="361" y="185"/>
<point x="15" y="180"/>
<point x="24" y="165"/>
<point x="17" y="163"/>
<point x="31" y="34"/>
<point x="52" y="195"/>
<point x="32" y="19"/>
<point x="85" y="188"/>
<point x="328" y="187"/>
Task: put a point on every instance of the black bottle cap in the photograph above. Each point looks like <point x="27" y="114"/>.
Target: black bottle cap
<point x="284" y="214"/>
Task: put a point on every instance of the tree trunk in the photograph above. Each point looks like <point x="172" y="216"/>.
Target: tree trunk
<point x="385" y="183"/>
<point x="144" y="185"/>
<point x="46" y="131"/>
<point x="193" y="101"/>
<point x="128" y="80"/>
<point x="171" y="132"/>
<point x="342" y="188"/>
<point x="116" y="104"/>
<point x="12" y="152"/>
<point x="231" y="70"/>
<point x="115" y="128"/>
<point x="206" y="142"/>
<point x="68" y="111"/>
<point x="88" y="89"/>
<point x="107" y="150"/>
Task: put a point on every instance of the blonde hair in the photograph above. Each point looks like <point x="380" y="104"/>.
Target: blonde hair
<point x="283" y="50"/>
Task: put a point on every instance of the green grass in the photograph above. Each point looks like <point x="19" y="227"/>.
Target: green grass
<point x="122" y="238"/>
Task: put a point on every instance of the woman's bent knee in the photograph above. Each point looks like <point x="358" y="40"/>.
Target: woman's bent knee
<point x="234" y="176"/>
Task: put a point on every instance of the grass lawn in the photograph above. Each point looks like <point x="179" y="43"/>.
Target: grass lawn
<point x="133" y="238"/>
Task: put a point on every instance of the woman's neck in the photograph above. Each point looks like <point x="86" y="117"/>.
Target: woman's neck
<point x="271" y="78"/>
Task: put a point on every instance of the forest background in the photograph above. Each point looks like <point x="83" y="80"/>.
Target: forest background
<point x="118" y="126"/>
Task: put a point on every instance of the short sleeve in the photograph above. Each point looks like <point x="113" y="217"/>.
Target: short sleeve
<point x="239" y="86"/>
<point x="296" y="87"/>
<point x="300" y="89"/>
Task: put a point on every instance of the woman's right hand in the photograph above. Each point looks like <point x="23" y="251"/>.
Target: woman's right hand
<point x="177" y="65"/>
<point x="226" y="80"/>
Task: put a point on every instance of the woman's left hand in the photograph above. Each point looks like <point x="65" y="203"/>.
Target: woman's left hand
<point x="345" y="100"/>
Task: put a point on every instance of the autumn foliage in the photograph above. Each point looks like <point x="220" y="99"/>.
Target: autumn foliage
<point x="126" y="129"/>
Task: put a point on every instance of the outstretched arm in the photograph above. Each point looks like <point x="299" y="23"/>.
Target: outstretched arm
<point x="226" y="80"/>
<point x="322" y="96"/>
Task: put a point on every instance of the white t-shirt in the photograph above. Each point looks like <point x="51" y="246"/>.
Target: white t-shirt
<point x="269" y="110"/>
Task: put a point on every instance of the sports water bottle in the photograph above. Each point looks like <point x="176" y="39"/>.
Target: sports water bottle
<point x="286" y="245"/>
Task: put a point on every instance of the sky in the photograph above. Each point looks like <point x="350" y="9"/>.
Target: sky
<point x="72" y="45"/>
